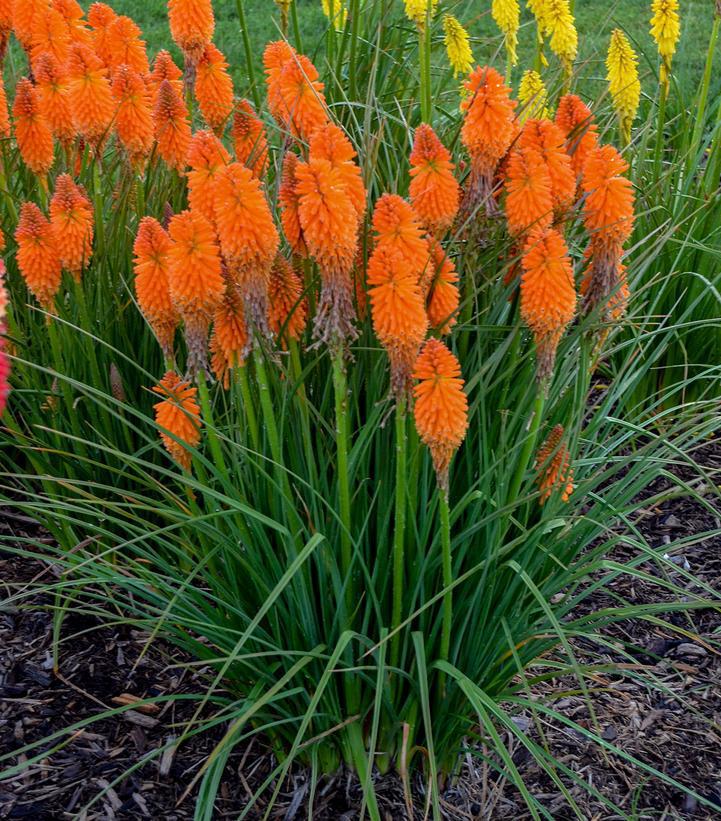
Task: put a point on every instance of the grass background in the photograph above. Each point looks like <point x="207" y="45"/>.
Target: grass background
<point x="595" y="20"/>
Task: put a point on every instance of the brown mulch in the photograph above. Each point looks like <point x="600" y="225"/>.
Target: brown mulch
<point x="675" y="727"/>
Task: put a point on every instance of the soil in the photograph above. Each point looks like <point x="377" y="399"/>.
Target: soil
<point x="674" y="727"/>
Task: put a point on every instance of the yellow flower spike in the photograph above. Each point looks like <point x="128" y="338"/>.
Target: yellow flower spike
<point x="507" y="16"/>
<point x="533" y="96"/>
<point x="339" y="12"/>
<point x="665" y="30"/>
<point x="458" y="46"/>
<point x="563" y="34"/>
<point x="623" y="82"/>
<point x="416" y="10"/>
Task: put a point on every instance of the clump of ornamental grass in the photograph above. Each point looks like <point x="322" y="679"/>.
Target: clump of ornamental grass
<point x="308" y="398"/>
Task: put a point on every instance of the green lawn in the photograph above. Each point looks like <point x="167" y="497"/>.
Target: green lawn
<point x="595" y="19"/>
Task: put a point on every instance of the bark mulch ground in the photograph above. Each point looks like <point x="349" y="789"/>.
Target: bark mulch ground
<point x="674" y="727"/>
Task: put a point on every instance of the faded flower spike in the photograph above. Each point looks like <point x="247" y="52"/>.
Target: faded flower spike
<point x="178" y="414"/>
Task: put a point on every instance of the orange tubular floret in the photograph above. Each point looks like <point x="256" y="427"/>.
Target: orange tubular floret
<point x="289" y="202"/>
<point x="230" y="331"/>
<point x="192" y="24"/>
<point x="196" y="281"/>
<point x="553" y="464"/>
<point x="32" y="131"/>
<point x="249" y="139"/>
<point x="133" y="118"/>
<point x="547" y="138"/>
<point x="91" y="98"/>
<point x="441" y="408"/>
<point x="100" y="17"/>
<point x="172" y="127"/>
<point x="576" y="122"/>
<point x="443" y="296"/>
<point x="37" y="257"/>
<point x="152" y="288"/>
<point x="214" y="88"/>
<point x="24" y="15"/>
<point x="434" y="191"/>
<point x="165" y="69"/>
<point x="5" y="128"/>
<point x="331" y="144"/>
<point x="50" y="34"/>
<point x="125" y="46"/>
<point x="75" y="21"/>
<point x="71" y="219"/>
<point x="52" y="85"/>
<point x="529" y="200"/>
<point x="608" y="209"/>
<point x="287" y="308"/>
<point x="398" y="312"/>
<point x="329" y="225"/>
<point x="548" y="294"/>
<point x="179" y="414"/>
<point x="248" y="237"/>
<point x="396" y="226"/>
<point x="207" y="156"/>
<point x="295" y="95"/>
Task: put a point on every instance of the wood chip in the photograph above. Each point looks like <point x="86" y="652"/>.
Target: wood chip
<point x="129" y="698"/>
<point x="142" y="721"/>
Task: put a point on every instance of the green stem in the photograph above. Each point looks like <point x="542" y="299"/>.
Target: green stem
<point x="98" y="203"/>
<point x="660" y="131"/>
<point x="248" y="53"/>
<point x="445" y="516"/>
<point x="248" y="407"/>
<point x="207" y="411"/>
<point x="528" y="446"/>
<point x="266" y="405"/>
<point x="297" y="372"/>
<point x="424" y="53"/>
<point x="400" y="525"/>
<point x="354" y="22"/>
<point x="296" y="26"/>
<point x="340" y="387"/>
<point x="700" y="113"/>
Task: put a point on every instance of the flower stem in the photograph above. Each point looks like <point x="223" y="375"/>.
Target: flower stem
<point x="528" y="446"/>
<point x="700" y="113"/>
<point x="660" y="131"/>
<point x="340" y="387"/>
<point x="445" y="515"/>
<point x="424" y="53"/>
<point x="248" y="407"/>
<point x="247" y="48"/>
<point x="211" y="433"/>
<point x="400" y="525"/>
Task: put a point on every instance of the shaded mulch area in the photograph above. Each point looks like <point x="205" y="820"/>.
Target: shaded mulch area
<point x="674" y="727"/>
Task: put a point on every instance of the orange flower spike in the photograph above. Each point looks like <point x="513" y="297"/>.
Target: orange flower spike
<point x="249" y="139"/>
<point x="214" y="88"/>
<point x="230" y="331"/>
<point x="52" y="85"/>
<point x="218" y="363"/>
<point x="548" y="294"/>
<point x="443" y="296"/>
<point x="100" y="17"/>
<point x="302" y="103"/>
<point x="179" y="414"/>
<point x="287" y="309"/>
<point x="398" y="313"/>
<point x="91" y="98"/>
<point x="133" y="118"/>
<point x="608" y="209"/>
<point x="192" y="25"/>
<point x="196" y="281"/>
<point x="576" y="122"/>
<point x="75" y="21"/>
<point x="441" y="407"/>
<point x="547" y="138"/>
<point x="71" y="219"/>
<point x="172" y="127"/>
<point x="152" y="287"/>
<point x="329" y="226"/>
<point x="24" y="15"/>
<point x="330" y="143"/>
<point x="207" y="156"/>
<point x="165" y="69"/>
<point x="289" y="202"/>
<point x="125" y="46"/>
<point x="6" y="25"/>
<point x="50" y="34"/>
<point x="434" y="191"/>
<point x="488" y="130"/>
<point x="32" y="131"/>
<point x="396" y="226"/>
<point x="248" y="237"/>
<point x="37" y="257"/>
<point x="553" y="464"/>
<point x="529" y="199"/>
<point x="5" y="128"/>
<point x="275" y="56"/>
